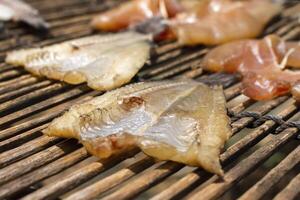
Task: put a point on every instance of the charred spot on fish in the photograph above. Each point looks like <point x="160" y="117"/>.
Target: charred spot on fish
<point x="86" y="118"/>
<point x="129" y="103"/>
<point x="75" y="47"/>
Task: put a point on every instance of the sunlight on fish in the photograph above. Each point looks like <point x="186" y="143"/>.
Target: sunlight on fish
<point x="103" y="61"/>
<point x="182" y="121"/>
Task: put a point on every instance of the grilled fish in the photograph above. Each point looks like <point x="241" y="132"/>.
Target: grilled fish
<point x="213" y="22"/>
<point x="261" y="63"/>
<point x="18" y="10"/>
<point x="103" y="61"/>
<point x="183" y="121"/>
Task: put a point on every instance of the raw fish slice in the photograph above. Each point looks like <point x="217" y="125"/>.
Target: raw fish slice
<point x="17" y="10"/>
<point x="182" y="121"/>
<point x="268" y="84"/>
<point x="190" y="21"/>
<point x="134" y="12"/>
<point x="104" y="62"/>
<point x="219" y="21"/>
<point x="261" y="64"/>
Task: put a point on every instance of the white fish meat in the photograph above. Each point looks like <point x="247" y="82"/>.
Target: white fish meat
<point x="18" y="10"/>
<point x="103" y="61"/>
<point x="182" y="121"/>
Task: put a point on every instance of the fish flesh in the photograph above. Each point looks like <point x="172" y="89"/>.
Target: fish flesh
<point x="296" y="91"/>
<point x="261" y="64"/>
<point x="134" y="12"/>
<point x="294" y="57"/>
<point x="193" y="22"/>
<point x="103" y="61"/>
<point x="18" y="10"/>
<point x="183" y="121"/>
<point x="214" y="22"/>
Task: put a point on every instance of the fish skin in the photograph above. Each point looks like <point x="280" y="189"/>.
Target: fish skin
<point x="182" y="121"/>
<point x="18" y="10"/>
<point x="261" y="64"/>
<point x="103" y="61"/>
<point x="212" y="22"/>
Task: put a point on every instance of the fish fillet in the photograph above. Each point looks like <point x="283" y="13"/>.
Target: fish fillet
<point x="261" y="64"/>
<point x="103" y="61"/>
<point x="134" y="12"/>
<point x="182" y="121"/>
<point x="18" y="10"/>
<point x="213" y="22"/>
<point x="192" y="22"/>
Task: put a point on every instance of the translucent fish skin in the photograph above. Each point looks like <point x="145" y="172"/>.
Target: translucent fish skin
<point x="260" y="62"/>
<point x="103" y="61"/>
<point x="18" y="10"/>
<point x="182" y="121"/>
<point x="134" y="12"/>
<point x="214" y="22"/>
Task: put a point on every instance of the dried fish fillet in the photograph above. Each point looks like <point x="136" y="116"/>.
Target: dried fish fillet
<point x="219" y="21"/>
<point x="18" y="10"/>
<point x="261" y="64"/>
<point x="182" y="121"/>
<point x="103" y="61"/>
